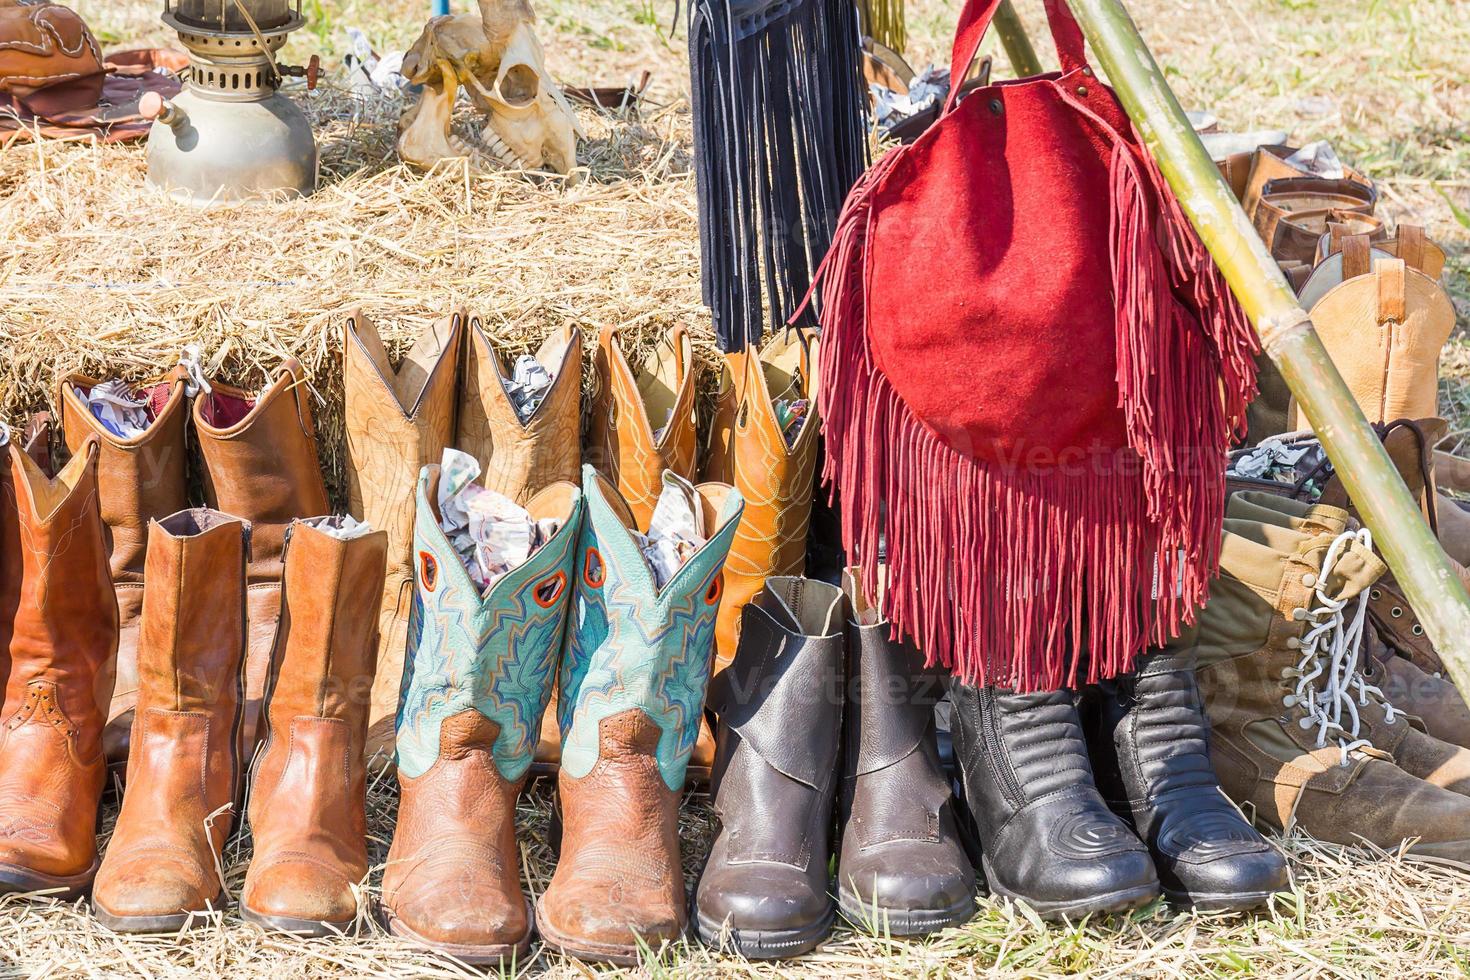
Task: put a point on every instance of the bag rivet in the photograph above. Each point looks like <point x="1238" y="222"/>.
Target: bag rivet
<point x="1087" y="71"/>
<point x="1082" y="90"/>
<point x="996" y="107"/>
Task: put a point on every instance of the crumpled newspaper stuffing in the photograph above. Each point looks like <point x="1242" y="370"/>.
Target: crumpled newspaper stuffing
<point x="675" y="532"/>
<point x="492" y="534"/>
<point x="930" y="87"/>
<point x="528" y="385"/>
<point x="119" y="409"/>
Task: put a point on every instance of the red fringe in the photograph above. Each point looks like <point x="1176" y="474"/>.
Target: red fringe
<point x="1036" y="581"/>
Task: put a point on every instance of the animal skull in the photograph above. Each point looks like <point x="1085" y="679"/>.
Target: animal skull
<point x="498" y="61"/>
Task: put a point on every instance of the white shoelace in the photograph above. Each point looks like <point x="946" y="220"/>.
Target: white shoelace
<point x="192" y="361"/>
<point x="1330" y="652"/>
<point x="4" y="434"/>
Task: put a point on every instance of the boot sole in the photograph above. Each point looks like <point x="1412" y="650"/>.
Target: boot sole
<point x="763" y="944"/>
<point x="492" y="955"/>
<point x="866" y="917"/>
<point x="1219" y="901"/>
<point x="145" y="924"/>
<point x="1123" y="900"/>
<point x="618" y="954"/>
<point x="15" y="880"/>
<point x="306" y="928"/>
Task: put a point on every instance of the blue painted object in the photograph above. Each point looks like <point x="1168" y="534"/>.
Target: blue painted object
<point x="441" y="7"/>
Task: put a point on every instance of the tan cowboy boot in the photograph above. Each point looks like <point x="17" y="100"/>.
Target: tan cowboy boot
<point x="261" y="465"/>
<point x="750" y="450"/>
<point x="1384" y="331"/>
<point x="1388" y="698"/>
<point x="520" y="459"/>
<point x="1277" y="653"/>
<point x="162" y="866"/>
<point x="58" y="640"/>
<point x="140" y="479"/>
<point x="397" y="422"/>
<point x="1409" y="243"/>
<point x="308" y="794"/>
<point x="643" y="422"/>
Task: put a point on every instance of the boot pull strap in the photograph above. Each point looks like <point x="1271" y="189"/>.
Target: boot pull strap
<point x="1411" y="246"/>
<point x="1392" y="304"/>
<point x="1357" y="256"/>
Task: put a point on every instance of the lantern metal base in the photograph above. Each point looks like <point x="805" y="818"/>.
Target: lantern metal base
<point x="216" y="150"/>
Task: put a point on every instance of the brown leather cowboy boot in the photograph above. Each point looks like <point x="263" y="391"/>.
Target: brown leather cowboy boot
<point x="397" y="423"/>
<point x="162" y="865"/>
<point x="261" y="465"/>
<point x="140" y="479"/>
<point x="754" y="449"/>
<point x="58" y="640"/>
<point x="308" y="793"/>
<point x="643" y="422"/>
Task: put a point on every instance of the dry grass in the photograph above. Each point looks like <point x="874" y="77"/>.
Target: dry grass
<point x="97" y="271"/>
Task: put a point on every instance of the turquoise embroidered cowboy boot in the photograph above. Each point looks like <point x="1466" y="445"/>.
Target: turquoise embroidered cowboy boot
<point x="478" y="673"/>
<point x="632" y="688"/>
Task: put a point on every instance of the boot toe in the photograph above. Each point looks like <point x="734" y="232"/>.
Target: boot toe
<point x="907" y="882"/>
<point x="587" y="914"/>
<point x="154" y="888"/>
<point x="760" y="897"/>
<point x="464" y="913"/>
<point x="299" y="888"/>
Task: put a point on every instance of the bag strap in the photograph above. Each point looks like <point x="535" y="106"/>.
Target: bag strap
<point x="975" y="21"/>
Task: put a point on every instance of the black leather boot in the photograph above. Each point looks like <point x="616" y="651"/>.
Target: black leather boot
<point x="1150" y="745"/>
<point x="1047" y="838"/>
<point x="765" y="890"/>
<point x="902" y="869"/>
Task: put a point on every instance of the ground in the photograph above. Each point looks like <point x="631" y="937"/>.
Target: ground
<point x="98" y="272"/>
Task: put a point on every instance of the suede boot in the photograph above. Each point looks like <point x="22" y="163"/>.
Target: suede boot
<point x="632" y="687"/>
<point x="1047" y="838"/>
<point x="1150" y="747"/>
<point x="765" y="890"/>
<point x="479" y="673"/>
<point x="1277" y="649"/>
<point x="902" y="869"/>
<point x="308" y="795"/>
<point x="397" y="423"/>
<point x="261" y="465"/>
<point x="58" y="641"/>
<point x="162" y="866"/>
<point x="140" y="479"/>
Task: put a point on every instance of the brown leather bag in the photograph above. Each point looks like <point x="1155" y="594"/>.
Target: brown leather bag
<point x="49" y="60"/>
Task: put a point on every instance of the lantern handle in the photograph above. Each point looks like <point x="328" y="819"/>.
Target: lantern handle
<point x="260" y="39"/>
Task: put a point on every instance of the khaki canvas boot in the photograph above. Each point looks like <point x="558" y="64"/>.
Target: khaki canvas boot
<point x="643" y="421"/>
<point x="1277" y="649"/>
<point x="162" y="867"/>
<point x="1389" y="724"/>
<point x="480" y="670"/>
<point x="308" y="795"/>
<point x="765" y="445"/>
<point x="632" y="687"/>
<point x="261" y="465"/>
<point x="140" y="479"/>
<point x="58" y="640"/>
<point x="397" y="423"/>
<point x="1384" y="331"/>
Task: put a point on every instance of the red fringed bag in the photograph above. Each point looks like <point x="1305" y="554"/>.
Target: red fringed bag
<point x="1031" y="372"/>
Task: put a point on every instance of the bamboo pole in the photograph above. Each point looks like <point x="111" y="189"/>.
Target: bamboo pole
<point x="1013" y="37"/>
<point x="1287" y="335"/>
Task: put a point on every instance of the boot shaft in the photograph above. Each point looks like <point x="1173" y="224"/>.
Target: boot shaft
<point x="517" y="458"/>
<point x="633" y="645"/>
<point x="140" y="479"/>
<point x="326" y="645"/>
<point x="495" y="653"/>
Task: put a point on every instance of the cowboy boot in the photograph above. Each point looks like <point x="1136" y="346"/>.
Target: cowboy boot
<point x="1409" y="243"/>
<point x="140" y="479"/>
<point x="632" y="686"/>
<point x="162" y="866"/>
<point x="397" y="423"/>
<point x="1277" y="649"/>
<point x="479" y="673"/>
<point x="643" y="421"/>
<point x="58" y="640"/>
<point x="520" y="458"/>
<point x="1046" y="836"/>
<point x="751" y="451"/>
<point x="308" y="796"/>
<point x="1150" y="748"/>
<point x="1388" y="683"/>
<point x="902" y="869"/>
<point x="764" y="891"/>
<point x="261" y="465"/>
<point x="1384" y="330"/>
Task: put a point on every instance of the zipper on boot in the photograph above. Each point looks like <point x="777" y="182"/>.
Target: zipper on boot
<point x="1000" y="760"/>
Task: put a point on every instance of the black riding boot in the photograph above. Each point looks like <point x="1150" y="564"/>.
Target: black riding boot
<point x="1047" y="838"/>
<point x="1151" y="749"/>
